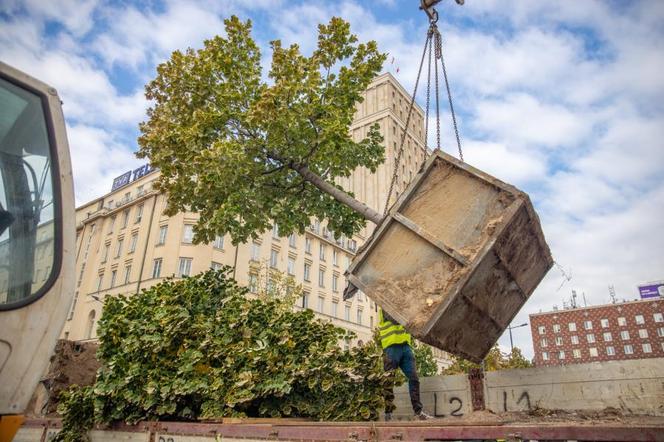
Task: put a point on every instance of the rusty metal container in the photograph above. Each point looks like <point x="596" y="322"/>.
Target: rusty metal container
<point x="456" y="258"/>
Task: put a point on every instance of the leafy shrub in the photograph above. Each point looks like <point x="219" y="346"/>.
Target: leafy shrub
<point x="77" y="410"/>
<point x="202" y="347"/>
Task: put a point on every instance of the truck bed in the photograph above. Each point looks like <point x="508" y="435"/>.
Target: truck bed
<point x="636" y="428"/>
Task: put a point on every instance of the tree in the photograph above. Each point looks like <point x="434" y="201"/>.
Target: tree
<point x="426" y="363"/>
<point x="494" y="360"/>
<point x="245" y="153"/>
<point x="202" y="348"/>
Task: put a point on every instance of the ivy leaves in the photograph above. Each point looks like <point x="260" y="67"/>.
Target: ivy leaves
<point x="228" y="143"/>
<point x="201" y="348"/>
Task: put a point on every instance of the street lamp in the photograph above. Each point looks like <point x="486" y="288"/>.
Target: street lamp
<point x="510" y="329"/>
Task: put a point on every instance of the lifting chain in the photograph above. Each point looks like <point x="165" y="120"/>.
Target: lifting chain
<point x="433" y="44"/>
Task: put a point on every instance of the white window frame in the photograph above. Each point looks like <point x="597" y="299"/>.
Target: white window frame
<point x="274" y="258"/>
<point x="188" y="234"/>
<point x="639" y="319"/>
<point x="604" y="323"/>
<point x="643" y="333"/>
<point x="132" y="242"/>
<point x="184" y="266"/>
<point x="571" y="326"/>
<point x="607" y="337"/>
<point x="624" y="335"/>
<point x="622" y="321"/>
<point x="610" y="351"/>
<point x="574" y="339"/>
<point x="156" y="267"/>
<point x="163" y="233"/>
<point x="629" y="349"/>
<point x="590" y="338"/>
<point x="592" y="351"/>
<point x="291" y="266"/>
<point x="646" y="347"/>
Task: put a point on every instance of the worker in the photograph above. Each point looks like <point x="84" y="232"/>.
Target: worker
<point x="398" y="352"/>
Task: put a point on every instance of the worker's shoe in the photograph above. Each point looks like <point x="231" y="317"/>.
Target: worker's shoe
<point x="388" y="417"/>
<point x="422" y="416"/>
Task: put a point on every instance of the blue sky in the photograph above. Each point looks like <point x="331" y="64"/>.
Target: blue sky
<point x="562" y="99"/>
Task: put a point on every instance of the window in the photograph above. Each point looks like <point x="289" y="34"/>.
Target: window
<point x="628" y="349"/>
<point x="292" y="240"/>
<point x="104" y="255"/>
<point x="218" y="242"/>
<point x="90" y="325"/>
<point x="658" y="317"/>
<point x="321" y="277"/>
<point x="139" y="213"/>
<point x="347" y="312"/>
<point x="660" y="332"/>
<point x="622" y="321"/>
<point x="335" y="305"/>
<point x="307" y="245"/>
<point x="127" y="275"/>
<point x="321" y="249"/>
<point x="321" y="304"/>
<point x="610" y="351"/>
<point x="100" y="280"/>
<point x="607" y="337"/>
<point x="624" y="335"/>
<point x="111" y="224"/>
<point x="125" y="218"/>
<point x="592" y="351"/>
<point x="604" y="323"/>
<point x="545" y="356"/>
<point x="275" y="231"/>
<point x="575" y="340"/>
<point x="304" y="300"/>
<point x="156" y="268"/>
<point x="253" y="283"/>
<point x="188" y="234"/>
<point x="571" y="326"/>
<point x="559" y="340"/>
<point x="184" y="268"/>
<point x="316" y="226"/>
<point x="291" y="266"/>
<point x="543" y="342"/>
<point x="335" y="257"/>
<point x="352" y="245"/>
<point x="639" y="319"/>
<point x="274" y="258"/>
<point x="588" y="325"/>
<point x="114" y="274"/>
<point x="118" y="248"/>
<point x="647" y="348"/>
<point x="132" y="243"/>
<point x="215" y="266"/>
<point x="590" y="338"/>
<point x="643" y="333"/>
<point x="359" y="316"/>
<point x="561" y="354"/>
<point x="307" y="272"/>
<point x="556" y="328"/>
<point x="255" y="251"/>
<point x="163" y="230"/>
<point x="576" y="353"/>
<point x="347" y="262"/>
<point x="335" y="283"/>
<point x="541" y="329"/>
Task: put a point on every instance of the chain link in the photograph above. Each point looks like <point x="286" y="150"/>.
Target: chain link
<point x="449" y="97"/>
<point x="405" y="131"/>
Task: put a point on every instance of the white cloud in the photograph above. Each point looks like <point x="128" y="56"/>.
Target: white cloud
<point x="75" y="15"/>
<point x="509" y="165"/>
<point x="97" y="157"/>
<point x="523" y="120"/>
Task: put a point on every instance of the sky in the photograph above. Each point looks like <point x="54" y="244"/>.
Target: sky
<point x="564" y="100"/>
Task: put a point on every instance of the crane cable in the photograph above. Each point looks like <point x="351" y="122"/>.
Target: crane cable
<point x="433" y="43"/>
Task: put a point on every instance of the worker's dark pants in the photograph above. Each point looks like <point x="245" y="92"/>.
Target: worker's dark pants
<point x="402" y="356"/>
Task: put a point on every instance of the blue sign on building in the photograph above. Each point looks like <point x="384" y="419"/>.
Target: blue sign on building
<point x="131" y="176"/>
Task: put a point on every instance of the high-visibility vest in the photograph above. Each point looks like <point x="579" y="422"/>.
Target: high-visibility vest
<point x="391" y="333"/>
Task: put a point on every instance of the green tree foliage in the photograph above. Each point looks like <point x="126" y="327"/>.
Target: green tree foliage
<point x="495" y="360"/>
<point x="426" y="363"/>
<point x="76" y="406"/>
<point x="203" y="348"/>
<point x="243" y="152"/>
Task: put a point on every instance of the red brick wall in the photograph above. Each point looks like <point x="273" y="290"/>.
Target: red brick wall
<point x="627" y="310"/>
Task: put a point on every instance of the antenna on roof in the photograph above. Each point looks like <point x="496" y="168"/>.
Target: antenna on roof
<point x="573" y="300"/>
<point x="585" y="304"/>
<point x="612" y="294"/>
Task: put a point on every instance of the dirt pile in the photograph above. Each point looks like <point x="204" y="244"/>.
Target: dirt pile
<point x="73" y="363"/>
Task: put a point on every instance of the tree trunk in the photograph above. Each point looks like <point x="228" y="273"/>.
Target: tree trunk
<point x="339" y="195"/>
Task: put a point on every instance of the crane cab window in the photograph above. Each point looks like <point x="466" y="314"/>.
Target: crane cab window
<point x="27" y="206"/>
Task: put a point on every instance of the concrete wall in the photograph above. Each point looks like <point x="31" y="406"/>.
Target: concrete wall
<point x="635" y="387"/>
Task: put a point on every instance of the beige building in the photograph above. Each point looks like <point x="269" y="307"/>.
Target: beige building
<point x="125" y="242"/>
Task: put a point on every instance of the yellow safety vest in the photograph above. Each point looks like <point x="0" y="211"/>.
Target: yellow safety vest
<point x="391" y="333"/>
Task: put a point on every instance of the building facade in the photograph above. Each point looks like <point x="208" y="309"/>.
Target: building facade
<point x="627" y="330"/>
<point x="126" y="243"/>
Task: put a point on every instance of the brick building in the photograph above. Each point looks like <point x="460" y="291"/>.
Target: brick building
<point x="627" y="330"/>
